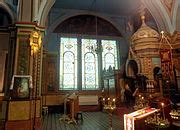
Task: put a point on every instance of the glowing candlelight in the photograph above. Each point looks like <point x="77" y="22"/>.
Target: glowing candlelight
<point x="108" y="101"/>
<point x="162" y="104"/>
<point x="150" y="96"/>
<point x="103" y="101"/>
<point x="114" y="99"/>
<point x="113" y="103"/>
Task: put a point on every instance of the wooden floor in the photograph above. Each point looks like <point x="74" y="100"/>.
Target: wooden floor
<point x="91" y="121"/>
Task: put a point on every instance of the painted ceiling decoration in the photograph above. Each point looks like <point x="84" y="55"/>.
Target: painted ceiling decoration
<point x="169" y="6"/>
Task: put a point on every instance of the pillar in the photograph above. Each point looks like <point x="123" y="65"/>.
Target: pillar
<point x="25" y="113"/>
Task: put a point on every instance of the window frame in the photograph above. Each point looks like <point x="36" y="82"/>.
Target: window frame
<point x="116" y="39"/>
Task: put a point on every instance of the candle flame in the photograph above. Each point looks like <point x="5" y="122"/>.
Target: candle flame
<point x="162" y="104"/>
<point x="114" y="99"/>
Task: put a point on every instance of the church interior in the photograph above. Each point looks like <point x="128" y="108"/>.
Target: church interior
<point x="90" y="65"/>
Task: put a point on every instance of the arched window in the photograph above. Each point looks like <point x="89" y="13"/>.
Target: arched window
<point x="89" y="61"/>
<point x="109" y="54"/>
<point x="87" y="52"/>
<point x="68" y="63"/>
<point x="69" y="70"/>
<point x="89" y="65"/>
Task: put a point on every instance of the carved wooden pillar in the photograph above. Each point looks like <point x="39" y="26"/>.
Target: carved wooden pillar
<point x="28" y="61"/>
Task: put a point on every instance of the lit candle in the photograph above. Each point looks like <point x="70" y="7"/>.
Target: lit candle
<point x="143" y="101"/>
<point x="108" y="101"/>
<point x="113" y="104"/>
<point x="150" y="96"/>
<point x="142" y="98"/>
<point x="103" y="101"/>
<point x="162" y="104"/>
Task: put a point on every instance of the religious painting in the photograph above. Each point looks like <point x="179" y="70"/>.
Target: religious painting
<point x="167" y="65"/>
<point x="20" y="87"/>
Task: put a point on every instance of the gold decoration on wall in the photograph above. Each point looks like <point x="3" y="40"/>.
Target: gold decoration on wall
<point x="35" y="42"/>
<point x="166" y="58"/>
<point x="19" y="110"/>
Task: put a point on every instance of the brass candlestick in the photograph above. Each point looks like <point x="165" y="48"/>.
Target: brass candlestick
<point x="140" y="103"/>
<point x="162" y="104"/>
<point x="110" y="106"/>
<point x="157" y="121"/>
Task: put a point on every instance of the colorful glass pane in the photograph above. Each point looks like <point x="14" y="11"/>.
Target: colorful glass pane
<point x="109" y="54"/>
<point x="89" y="60"/>
<point x="68" y="63"/>
<point x="89" y="64"/>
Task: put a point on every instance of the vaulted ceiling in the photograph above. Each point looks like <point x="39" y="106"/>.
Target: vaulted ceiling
<point x="119" y="10"/>
<point x="112" y="7"/>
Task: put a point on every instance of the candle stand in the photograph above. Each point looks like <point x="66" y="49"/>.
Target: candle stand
<point x="109" y="105"/>
<point x="140" y="103"/>
<point x="157" y="121"/>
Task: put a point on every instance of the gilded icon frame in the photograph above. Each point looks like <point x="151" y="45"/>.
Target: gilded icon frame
<point x="20" y="86"/>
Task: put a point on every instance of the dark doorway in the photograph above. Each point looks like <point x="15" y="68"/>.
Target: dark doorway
<point x="131" y="68"/>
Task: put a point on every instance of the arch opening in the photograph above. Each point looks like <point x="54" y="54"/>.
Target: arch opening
<point x="6" y="19"/>
<point x="87" y="25"/>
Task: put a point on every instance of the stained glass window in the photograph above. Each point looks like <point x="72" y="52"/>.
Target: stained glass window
<point x="109" y="54"/>
<point x="89" y="64"/>
<point x="68" y="63"/>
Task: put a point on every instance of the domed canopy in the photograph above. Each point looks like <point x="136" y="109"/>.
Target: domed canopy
<point x="145" y="33"/>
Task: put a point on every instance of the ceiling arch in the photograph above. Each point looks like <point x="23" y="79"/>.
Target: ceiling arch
<point x="111" y="8"/>
<point x="70" y="14"/>
<point x="166" y="21"/>
<point x="4" y="6"/>
<point x="149" y="20"/>
<point x="44" y="11"/>
<point x="154" y="8"/>
<point x="87" y="25"/>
